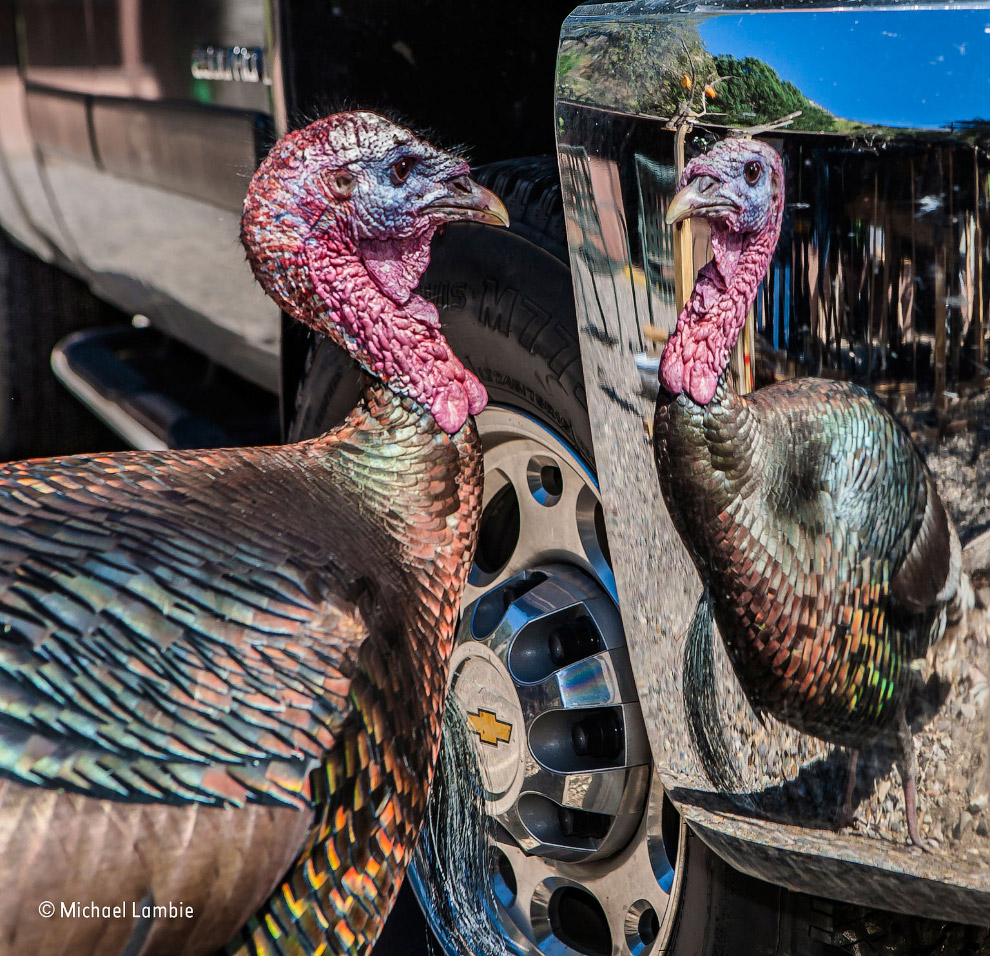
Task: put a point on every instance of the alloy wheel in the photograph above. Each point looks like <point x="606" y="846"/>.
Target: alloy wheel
<point x="582" y="854"/>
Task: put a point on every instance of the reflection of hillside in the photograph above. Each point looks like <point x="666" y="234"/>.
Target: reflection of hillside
<point x="753" y="93"/>
<point x="641" y="68"/>
<point x="634" y="67"/>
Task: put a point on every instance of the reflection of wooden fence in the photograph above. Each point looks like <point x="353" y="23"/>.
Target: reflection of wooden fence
<point x="599" y="235"/>
<point x="655" y="184"/>
<point x="879" y="275"/>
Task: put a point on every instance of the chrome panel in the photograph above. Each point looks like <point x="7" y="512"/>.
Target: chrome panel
<point x="879" y="277"/>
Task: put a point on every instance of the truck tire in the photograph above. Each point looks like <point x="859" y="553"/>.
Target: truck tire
<point x="39" y="305"/>
<point x="507" y="308"/>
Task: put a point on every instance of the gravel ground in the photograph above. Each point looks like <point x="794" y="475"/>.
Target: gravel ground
<point x="961" y="465"/>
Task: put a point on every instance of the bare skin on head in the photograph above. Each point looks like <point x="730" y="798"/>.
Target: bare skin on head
<point x="738" y="188"/>
<point x="347" y="253"/>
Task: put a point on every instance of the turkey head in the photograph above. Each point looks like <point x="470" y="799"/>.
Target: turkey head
<point x="337" y="226"/>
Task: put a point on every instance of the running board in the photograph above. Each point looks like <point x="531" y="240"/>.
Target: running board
<point x="155" y="392"/>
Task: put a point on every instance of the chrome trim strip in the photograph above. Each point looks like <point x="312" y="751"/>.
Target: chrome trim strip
<point x="110" y="413"/>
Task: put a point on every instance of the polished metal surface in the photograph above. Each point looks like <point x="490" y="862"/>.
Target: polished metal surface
<point x="275" y="66"/>
<point x="541" y="673"/>
<point x="109" y="412"/>
<point x="175" y="259"/>
<point x="193" y="152"/>
<point x="878" y="278"/>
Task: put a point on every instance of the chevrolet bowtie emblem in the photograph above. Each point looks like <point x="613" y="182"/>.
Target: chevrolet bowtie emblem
<point x="489" y="728"/>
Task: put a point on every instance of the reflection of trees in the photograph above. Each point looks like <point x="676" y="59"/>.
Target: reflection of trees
<point x="630" y="66"/>
<point x="639" y="67"/>
<point x="753" y="93"/>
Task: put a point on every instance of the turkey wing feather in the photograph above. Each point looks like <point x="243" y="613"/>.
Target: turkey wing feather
<point x="175" y="627"/>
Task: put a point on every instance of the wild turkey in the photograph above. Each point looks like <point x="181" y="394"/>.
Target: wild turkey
<point x="222" y="674"/>
<point x="827" y="556"/>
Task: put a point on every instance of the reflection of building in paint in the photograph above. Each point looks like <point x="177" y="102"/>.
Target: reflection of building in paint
<point x="113" y="61"/>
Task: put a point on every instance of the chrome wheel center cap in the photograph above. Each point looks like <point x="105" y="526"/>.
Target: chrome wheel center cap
<point x="542" y="677"/>
<point x="488" y="698"/>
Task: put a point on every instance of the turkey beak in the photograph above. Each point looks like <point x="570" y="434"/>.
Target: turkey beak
<point x="700" y="197"/>
<point x="465" y="199"/>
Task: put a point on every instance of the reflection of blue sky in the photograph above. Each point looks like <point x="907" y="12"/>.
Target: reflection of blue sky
<point x="890" y="68"/>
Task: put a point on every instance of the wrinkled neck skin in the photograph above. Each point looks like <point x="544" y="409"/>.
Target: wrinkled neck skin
<point x="697" y="354"/>
<point x="368" y="307"/>
<point x="313" y="255"/>
<point x="359" y="292"/>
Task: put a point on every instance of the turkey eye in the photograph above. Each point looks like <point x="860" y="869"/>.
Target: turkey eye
<point x="752" y="172"/>
<point x="401" y="170"/>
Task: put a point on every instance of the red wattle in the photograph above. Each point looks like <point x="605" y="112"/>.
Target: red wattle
<point x="403" y="344"/>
